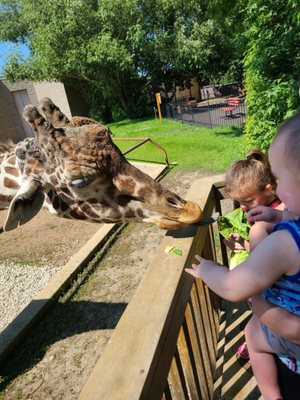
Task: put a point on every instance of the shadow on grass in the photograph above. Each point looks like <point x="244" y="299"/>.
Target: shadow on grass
<point x="233" y="131"/>
<point x="63" y="321"/>
<point x="129" y="122"/>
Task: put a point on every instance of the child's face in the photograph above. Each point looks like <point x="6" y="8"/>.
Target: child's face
<point x="288" y="181"/>
<point x="249" y="199"/>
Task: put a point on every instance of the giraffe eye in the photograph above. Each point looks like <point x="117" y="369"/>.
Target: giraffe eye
<point x="81" y="182"/>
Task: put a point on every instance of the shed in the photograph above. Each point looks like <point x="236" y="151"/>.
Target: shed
<point x="15" y="96"/>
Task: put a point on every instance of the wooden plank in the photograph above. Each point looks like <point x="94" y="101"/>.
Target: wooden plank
<point x="237" y="376"/>
<point x="214" y="332"/>
<point x="201" y="364"/>
<point x="201" y="333"/>
<point x="208" y="253"/>
<point x="187" y="360"/>
<point x="205" y="316"/>
<point x="176" y="379"/>
<point x="216" y="304"/>
<point x="220" y="358"/>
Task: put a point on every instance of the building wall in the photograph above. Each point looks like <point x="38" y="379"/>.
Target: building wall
<point x="10" y="124"/>
<point x="56" y="92"/>
<point x="194" y="91"/>
<point x="11" y="120"/>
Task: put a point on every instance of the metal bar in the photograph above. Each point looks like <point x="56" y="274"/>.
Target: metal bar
<point x="143" y="140"/>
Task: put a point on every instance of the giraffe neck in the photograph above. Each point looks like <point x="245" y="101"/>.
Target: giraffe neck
<point x="10" y="179"/>
<point x="11" y="176"/>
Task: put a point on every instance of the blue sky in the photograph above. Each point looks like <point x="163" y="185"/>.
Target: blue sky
<point x="7" y="47"/>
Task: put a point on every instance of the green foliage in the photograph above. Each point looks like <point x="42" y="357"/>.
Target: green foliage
<point x="272" y="67"/>
<point x="269" y="104"/>
<point x="267" y="35"/>
<point x="235" y="222"/>
<point x="188" y="145"/>
<point x="117" y="52"/>
<point x="82" y="43"/>
<point x="237" y="258"/>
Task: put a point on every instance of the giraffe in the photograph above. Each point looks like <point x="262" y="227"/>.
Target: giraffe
<point x="85" y="176"/>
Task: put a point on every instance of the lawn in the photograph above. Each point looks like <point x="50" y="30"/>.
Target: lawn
<point x="190" y="146"/>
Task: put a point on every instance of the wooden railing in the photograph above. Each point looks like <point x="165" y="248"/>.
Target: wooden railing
<point x="165" y="344"/>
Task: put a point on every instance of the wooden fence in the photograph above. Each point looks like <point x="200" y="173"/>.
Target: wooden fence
<point x="165" y="344"/>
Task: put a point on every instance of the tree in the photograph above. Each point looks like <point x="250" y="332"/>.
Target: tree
<point x="116" y="52"/>
<point x="272" y="67"/>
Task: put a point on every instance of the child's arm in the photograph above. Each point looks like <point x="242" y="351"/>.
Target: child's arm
<point x="258" y="232"/>
<point x="277" y="255"/>
<point x="268" y="214"/>
<point x="280" y="321"/>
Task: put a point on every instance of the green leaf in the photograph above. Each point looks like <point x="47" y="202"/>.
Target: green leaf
<point x="237" y="258"/>
<point x="178" y="252"/>
<point x="234" y="222"/>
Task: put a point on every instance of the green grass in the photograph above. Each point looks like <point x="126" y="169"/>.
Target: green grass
<point x="188" y="145"/>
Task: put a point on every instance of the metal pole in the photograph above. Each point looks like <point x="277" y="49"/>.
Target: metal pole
<point x="158" y="102"/>
<point x="207" y="92"/>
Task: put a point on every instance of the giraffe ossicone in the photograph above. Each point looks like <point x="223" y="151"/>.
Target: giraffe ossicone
<point x="82" y="174"/>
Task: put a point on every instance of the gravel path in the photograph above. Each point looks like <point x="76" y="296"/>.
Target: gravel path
<point x="18" y="286"/>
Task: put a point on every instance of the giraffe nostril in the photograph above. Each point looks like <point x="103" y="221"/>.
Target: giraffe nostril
<point x="174" y="201"/>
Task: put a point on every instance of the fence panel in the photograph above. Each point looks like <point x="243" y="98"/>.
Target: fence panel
<point x="209" y="114"/>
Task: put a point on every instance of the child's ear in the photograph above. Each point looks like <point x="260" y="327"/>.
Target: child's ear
<point x="269" y="189"/>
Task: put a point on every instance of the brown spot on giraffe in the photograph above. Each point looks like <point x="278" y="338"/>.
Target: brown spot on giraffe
<point x="5" y="199"/>
<point x="11" y="171"/>
<point x="13" y="160"/>
<point x="11" y="184"/>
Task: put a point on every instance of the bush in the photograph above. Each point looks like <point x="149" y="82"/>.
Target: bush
<point x="269" y="104"/>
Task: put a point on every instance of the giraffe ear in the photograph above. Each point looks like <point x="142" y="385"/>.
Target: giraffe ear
<point x="26" y="204"/>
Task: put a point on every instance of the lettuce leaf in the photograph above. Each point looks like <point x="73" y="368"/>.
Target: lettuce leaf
<point x="235" y="221"/>
<point x="237" y="258"/>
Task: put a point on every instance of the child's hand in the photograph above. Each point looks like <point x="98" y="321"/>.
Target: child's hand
<point x="263" y="213"/>
<point x="196" y="268"/>
<point x="235" y="242"/>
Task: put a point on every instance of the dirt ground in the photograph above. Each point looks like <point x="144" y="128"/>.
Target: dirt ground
<point x="56" y="359"/>
<point x="46" y="239"/>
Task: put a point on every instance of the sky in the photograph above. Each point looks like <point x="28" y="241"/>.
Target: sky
<point x="6" y="47"/>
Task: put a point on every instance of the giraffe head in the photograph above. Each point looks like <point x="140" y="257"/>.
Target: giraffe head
<point x="91" y="176"/>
